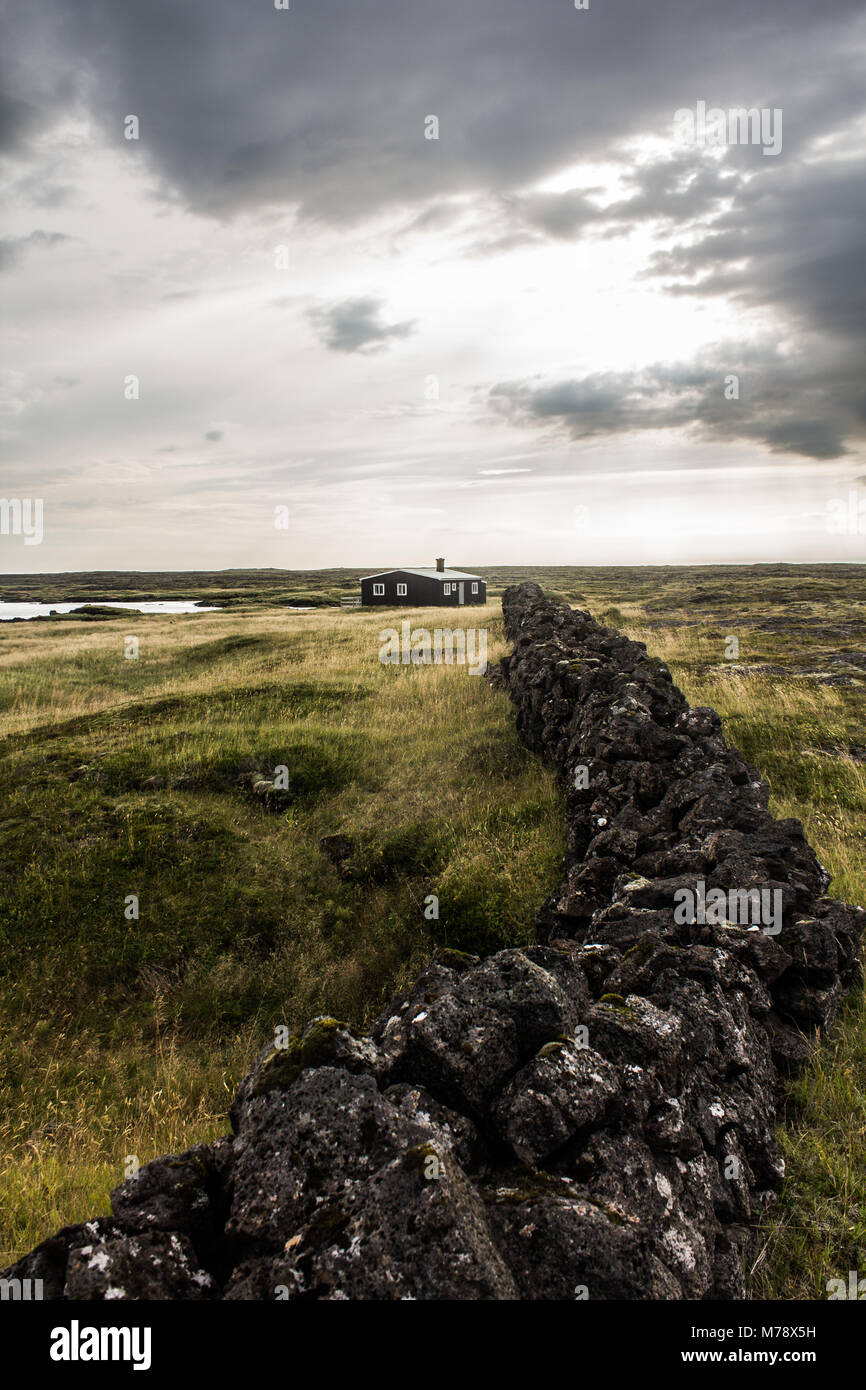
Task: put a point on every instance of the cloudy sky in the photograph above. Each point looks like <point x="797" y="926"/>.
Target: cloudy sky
<point x="440" y="278"/>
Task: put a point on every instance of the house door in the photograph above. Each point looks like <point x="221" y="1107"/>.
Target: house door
<point x="460" y="593"/>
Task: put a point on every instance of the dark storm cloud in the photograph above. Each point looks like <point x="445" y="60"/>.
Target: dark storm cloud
<point x="17" y="119"/>
<point x="670" y="192"/>
<point x="323" y="105"/>
<point x="356" y="325"/>
<point x="793" y="240"/>
<point x="788" y="404"/>
<point x="322" y="108"/>
<point x="788" y="241"/>
<point x="39" y="80"/>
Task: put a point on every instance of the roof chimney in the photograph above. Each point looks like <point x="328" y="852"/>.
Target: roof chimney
<point x="440" y="566"/>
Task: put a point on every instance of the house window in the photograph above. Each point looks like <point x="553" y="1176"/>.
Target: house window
<point x="446" y="589"/>
<point x="475" y="588"/>
<point x="378" y="589"/>
<point x="401" y="590"/>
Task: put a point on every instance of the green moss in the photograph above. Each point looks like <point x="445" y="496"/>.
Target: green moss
<point x="643" y="949"/>
<point x="312" y="1048"/>
<point x="617" y="1005"/>
<point x="417" y="1158"/>
<point x="456" y="960"/>
<point x="522" y="1185"/>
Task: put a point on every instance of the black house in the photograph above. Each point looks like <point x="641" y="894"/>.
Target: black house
<point x="434" y="588"/>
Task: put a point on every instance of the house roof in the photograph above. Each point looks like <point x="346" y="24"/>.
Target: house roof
<point x="424" y="574"/>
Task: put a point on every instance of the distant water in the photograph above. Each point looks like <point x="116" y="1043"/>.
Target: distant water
<point x="37" y="610"/>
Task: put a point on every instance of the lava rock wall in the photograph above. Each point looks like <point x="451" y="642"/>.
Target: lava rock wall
<point x="588" y="1118"/>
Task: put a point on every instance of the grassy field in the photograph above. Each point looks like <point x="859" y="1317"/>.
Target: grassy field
<point x="133" y="777"/>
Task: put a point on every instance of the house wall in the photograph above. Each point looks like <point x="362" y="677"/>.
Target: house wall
<point x="421" y="592"/>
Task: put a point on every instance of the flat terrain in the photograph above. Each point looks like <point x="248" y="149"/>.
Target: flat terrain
<point x="121" y="777"/>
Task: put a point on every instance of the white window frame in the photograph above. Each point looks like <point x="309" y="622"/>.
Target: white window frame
<point x="378" y="590"/>
<point x="402" y="590"/>
<point x="446" y="590"/>
<point x="475" y="588"/>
